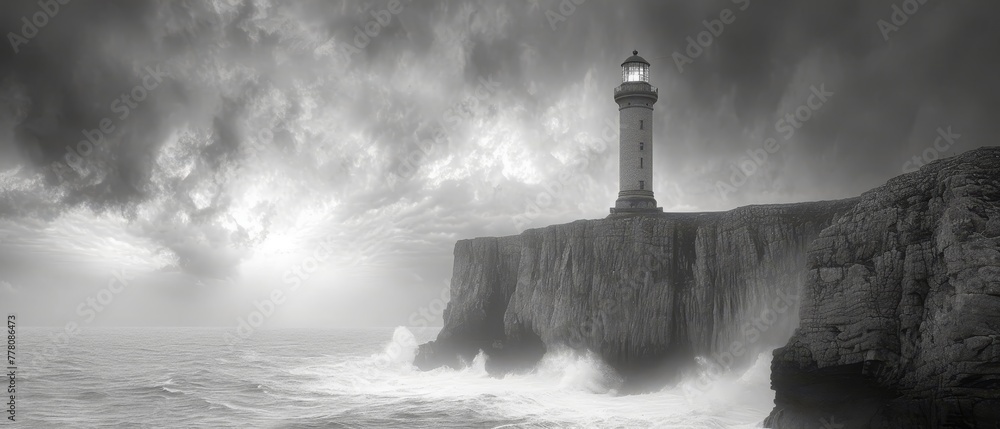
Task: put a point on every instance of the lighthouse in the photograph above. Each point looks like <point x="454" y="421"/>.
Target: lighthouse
<point x="635" y="98"/>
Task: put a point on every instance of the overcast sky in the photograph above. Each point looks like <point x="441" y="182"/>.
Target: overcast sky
<point x="252" y="131"/>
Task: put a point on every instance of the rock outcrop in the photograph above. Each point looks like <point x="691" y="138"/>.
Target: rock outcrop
<point x="646" y="293"/>
<point x="900" y="299"/>
<point x="900" y="316"/>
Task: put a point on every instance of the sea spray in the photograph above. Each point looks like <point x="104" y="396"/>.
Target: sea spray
<point x="566" y="388"/>
<point x="579" y="371"/>
<point x="704" y="387"/>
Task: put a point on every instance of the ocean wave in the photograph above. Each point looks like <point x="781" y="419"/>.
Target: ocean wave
<point x="171" y="390"/>
<point x="92" y="395"/>
<point x="579" y="371"/>
<point x="299" y="382"/>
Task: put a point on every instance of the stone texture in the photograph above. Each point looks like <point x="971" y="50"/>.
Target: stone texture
<point x="900" y="299"/>
<point x="483" y="281"/>
<point x="900" y="314"/>
<point x="647" y="293"/>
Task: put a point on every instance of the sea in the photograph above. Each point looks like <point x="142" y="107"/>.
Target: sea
<point x="342" y="378"/>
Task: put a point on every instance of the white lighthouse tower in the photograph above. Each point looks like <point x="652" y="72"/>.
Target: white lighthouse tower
<point x="635" y="98"/>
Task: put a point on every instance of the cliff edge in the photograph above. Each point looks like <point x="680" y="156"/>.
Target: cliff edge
<point x="646" y="293"/>
<point x="893" y="298"/>
<point x="900" y="311"/>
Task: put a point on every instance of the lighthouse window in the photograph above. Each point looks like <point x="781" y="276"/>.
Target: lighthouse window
<point x="641" y="145"/>
<point x="635" y="72"/>
<point x="642" y="185"/>
<point x="640" y="162"/>
<point x="640" y="124"/>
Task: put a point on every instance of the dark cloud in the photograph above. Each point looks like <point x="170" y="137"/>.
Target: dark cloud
<point x="937" y="61"/>
<point x="261" y="122"/>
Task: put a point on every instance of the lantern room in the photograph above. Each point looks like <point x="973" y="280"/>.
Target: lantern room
<point x="635" y="69"/>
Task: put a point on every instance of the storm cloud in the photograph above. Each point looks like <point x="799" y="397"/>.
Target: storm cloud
<point x="211" y="146"/>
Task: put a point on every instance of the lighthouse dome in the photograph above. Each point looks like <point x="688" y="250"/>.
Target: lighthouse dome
<point x="635" y="58"/>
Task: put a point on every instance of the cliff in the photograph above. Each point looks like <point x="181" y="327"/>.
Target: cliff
<point x="900" y="316"/>
<point x="893" y="297"/>
<point x="647" y="293"/>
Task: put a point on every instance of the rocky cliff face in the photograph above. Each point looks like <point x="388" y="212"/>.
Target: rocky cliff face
<point x="900" y="299"/>
<point x="900" y="316"/>
<point x="647" y="293"/>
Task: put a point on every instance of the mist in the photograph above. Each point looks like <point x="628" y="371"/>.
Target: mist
<point x="229" y="155"/>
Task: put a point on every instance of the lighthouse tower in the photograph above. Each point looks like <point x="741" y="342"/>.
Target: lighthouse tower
<point x="635" y="98"/>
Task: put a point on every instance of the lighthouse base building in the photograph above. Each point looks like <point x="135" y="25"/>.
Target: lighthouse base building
<point x="635" y="98"/>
